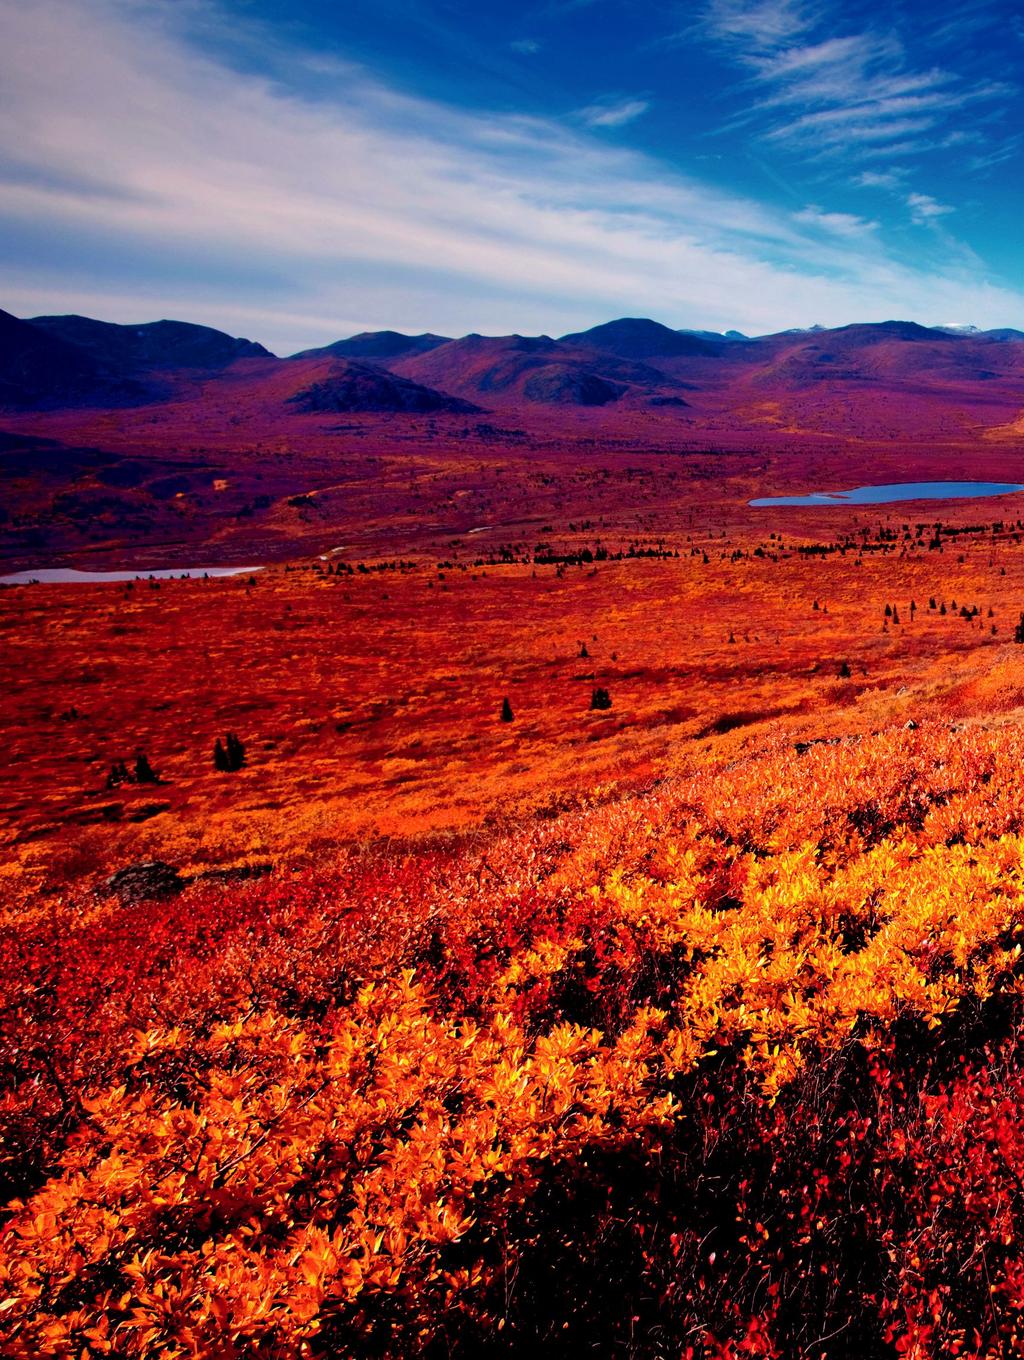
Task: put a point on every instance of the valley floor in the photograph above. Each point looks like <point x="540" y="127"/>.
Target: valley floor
<point x="682" y="1024"/>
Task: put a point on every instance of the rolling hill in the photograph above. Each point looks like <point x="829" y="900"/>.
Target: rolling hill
<point x="376" y="345"/>
<point x="40" y="369"/>
<point x="640" y="338"/>
<point x="348" y="387"/>
<point x="632" y="363"/>
<point x="533" y="369"/>
<point x="156" y="346"/>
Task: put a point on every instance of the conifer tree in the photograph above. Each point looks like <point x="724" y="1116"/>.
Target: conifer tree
<point x="144" y="772"/>
<point x="228" y="755"/>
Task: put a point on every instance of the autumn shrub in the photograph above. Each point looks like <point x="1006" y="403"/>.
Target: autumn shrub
<point x="727" y="1067"/>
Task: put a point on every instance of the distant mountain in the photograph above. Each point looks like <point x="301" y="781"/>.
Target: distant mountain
<point x="513" y="368"/>
<point x="566" y="385"/>
<point x="714" y="336"/>
<point x="376" y="345"/>
<point x="793" y="330"/>
<point x="640" y="338"/>
<point x="484" y="363"/>
<point x="156" y="346"/>
<point x="862" y="334"/>
<point x="350" y="387"/>
<point x="70" y="361"/>
<point x="886" y="353"/>
<point x="38" y="369"/>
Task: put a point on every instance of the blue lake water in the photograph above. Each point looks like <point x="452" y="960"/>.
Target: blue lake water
<point x="895" y="491"/>
<point x="71" y="576"/>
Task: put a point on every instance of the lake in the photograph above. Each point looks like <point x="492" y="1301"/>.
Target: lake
<point x="71" y="576"/>
<point x="895" y="491"/>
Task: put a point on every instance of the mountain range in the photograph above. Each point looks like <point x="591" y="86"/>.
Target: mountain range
<point x="53" y="362"/>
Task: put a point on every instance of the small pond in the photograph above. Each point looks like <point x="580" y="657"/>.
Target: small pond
<point x="71" y="576"/>
<point x="895" y="491"/>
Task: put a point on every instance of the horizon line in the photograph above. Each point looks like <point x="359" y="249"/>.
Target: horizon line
<point x="947" y="328"/>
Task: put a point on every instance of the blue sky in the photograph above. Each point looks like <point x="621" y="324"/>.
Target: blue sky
<point x="298" y="171"/>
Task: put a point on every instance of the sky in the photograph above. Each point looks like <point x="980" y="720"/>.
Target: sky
<point x="299" y="170"/>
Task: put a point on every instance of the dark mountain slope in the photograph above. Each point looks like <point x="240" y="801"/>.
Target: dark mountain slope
<point x="889" y="353"/>
<point x="40" y="370"/>
<point x="639" y="338"/>
<point x="376" y="345"/>
<point x="156" y="346"/>
<point x="349" y="386"/>
<point x="514" y="368"/>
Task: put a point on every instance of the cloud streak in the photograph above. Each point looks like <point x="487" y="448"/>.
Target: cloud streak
<point x="613" y="113"/>
<point x="857" y="93"/>
<point x="838" y="223"/>
<point x="761" y="24"/>
<point x="924" y="209"/>
<point x="216" y="193"/>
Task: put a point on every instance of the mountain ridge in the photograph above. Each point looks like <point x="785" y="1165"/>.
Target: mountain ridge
<point x="635" y="362"/>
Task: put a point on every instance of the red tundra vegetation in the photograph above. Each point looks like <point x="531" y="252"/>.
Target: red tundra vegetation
<point x="672" y="1009"/>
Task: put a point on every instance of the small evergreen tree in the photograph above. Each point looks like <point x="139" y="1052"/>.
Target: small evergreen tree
<point x="228" y="755"/>
<point x="601" y="699"/>
<point x="144" y="772"/>
<point x="506" y="711"/>
<point x="118" y="774"/>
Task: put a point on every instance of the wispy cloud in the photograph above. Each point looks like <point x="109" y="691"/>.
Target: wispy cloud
<point x="1007" y="149"/>
<point x="854" y="93"/>
<point x="764" y="24"/>
<point x="925" y="210"/>
<point x="613" y="112"/>
<point x="838" y="223"/>
<point x="229" y="196"/>
<point x="880" y="179"/>
<point x="525" y="46"/>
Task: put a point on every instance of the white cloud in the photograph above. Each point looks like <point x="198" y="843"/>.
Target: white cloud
<point x="924" y="209"/>
<point x="764" y="23"/>
<point x="856" y="93"/>
<point x="173" y="184"/>
<point x="526" y="46"/>
<point x="613" y="112"/>
<point x="839" y="223"/>
<point x="880" y="179"/>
